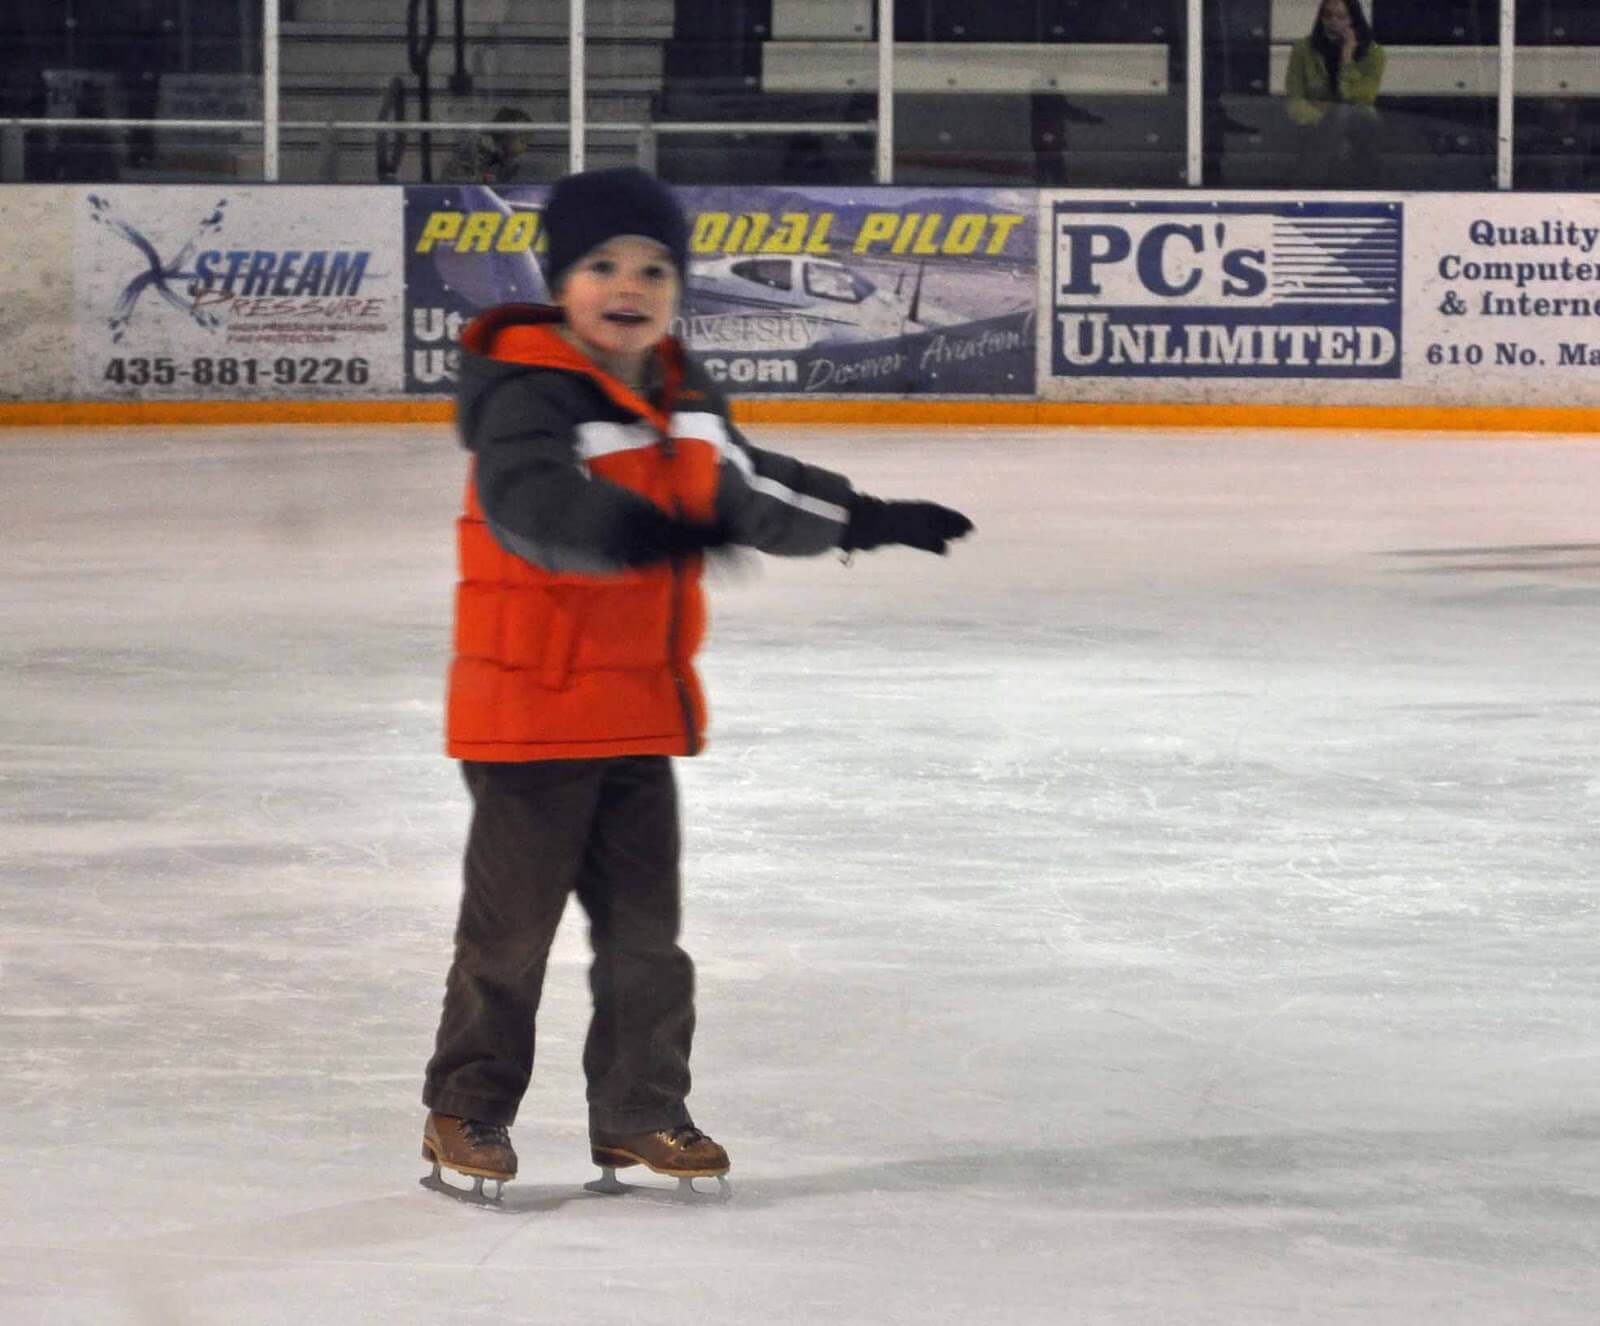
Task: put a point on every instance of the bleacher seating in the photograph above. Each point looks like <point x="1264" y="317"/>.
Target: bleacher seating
<point x="824" y="20"/>
<point x="841" y="66"/>
<point x="1441" y="83"/>
<point x="1474" y="71"/>
<point x="339" y="55"/>
<point x="1452" y="50"/>
<point x="1558" y="22"/>
<point x="1039" y="21"/>
<point x="993" y="93"/>
<point x="1085" y="92"/>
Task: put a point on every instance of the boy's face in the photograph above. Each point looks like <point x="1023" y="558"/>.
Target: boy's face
<point x="619" y="297"/>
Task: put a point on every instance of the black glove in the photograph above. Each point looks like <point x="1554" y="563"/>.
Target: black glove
<point x="924" y="525"/>
<point x="648" y="534"/>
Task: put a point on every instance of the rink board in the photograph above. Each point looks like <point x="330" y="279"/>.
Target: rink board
<point x="873" y="305"/>
<point x="1439" y="300"/>
<point x="36" y="292"/>
<point x="195" y="292"/>
<point x="791" y="291"/>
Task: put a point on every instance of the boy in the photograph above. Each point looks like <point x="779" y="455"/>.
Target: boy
<point x="604" y="464"/>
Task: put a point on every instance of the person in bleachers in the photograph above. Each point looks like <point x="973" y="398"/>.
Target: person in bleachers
<point x="1333" y="83"/>
<point x="491" y="158"/>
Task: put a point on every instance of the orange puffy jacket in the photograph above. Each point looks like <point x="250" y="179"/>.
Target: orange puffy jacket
<point x="563" y="650"/>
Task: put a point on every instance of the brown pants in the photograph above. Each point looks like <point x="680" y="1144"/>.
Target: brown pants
<point x="608" y="830"/>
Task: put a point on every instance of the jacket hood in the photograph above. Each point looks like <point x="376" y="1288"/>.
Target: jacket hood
<point x="480" y="372"/>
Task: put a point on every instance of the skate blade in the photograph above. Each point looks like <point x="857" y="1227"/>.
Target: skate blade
<point x="473" y="1196"/>
<point x="685" y="1193"/>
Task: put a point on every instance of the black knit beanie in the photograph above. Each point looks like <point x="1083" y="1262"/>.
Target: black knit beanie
<point x="584" y="211"/>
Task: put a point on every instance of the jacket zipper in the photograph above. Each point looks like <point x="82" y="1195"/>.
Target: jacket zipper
<point x="679" y="682"/>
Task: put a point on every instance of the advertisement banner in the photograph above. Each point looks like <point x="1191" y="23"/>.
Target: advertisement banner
<point x="1404" y="299"/>
<point x="1224" y="290"/>
<point x="468" y="247"/>
<point x="790" y="291"/>
<point x="36" y="335"/>
<point x="199" y="292"/>
<point x="1505" y="301"/>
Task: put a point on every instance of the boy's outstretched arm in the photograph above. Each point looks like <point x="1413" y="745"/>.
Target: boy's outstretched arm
<point x="544" y="506"/>
<point x="875" y="523"/>
<point x="780" y="505"/>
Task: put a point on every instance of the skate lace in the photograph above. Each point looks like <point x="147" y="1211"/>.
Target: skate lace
<point x="686" y="1134"/>
<point x="485" y="1134"/>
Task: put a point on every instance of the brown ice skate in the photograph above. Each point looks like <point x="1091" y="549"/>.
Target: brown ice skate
<point x="467" y="1146"/>
<point x="683" y="1153"/>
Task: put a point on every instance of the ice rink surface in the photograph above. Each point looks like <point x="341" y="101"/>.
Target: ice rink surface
<point x="1179" y="906"/>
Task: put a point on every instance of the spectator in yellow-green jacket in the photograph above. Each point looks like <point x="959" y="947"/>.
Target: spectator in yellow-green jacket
<point x="1333" y="82"/>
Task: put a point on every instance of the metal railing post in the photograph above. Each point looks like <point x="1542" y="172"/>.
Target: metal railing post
<point x="390" y="149"/>
<point x="1194" y="172"/>
<point x="885" y="171"/>
<point x="461" y="80"/>
<point x="577" y="113"/>
<point x="1505" y="160"/>
<point x="269" y="89"/>
<point x="644" y="149"/>
<point x="422" y="31"/>
<point x="13" y="160"/>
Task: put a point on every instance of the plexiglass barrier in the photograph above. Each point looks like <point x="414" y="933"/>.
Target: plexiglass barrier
<point x="1311" y="94"/>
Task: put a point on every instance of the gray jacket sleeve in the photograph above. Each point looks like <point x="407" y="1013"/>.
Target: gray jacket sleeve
<point x="540" y="501"/>
<point x="778" y="504"/>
